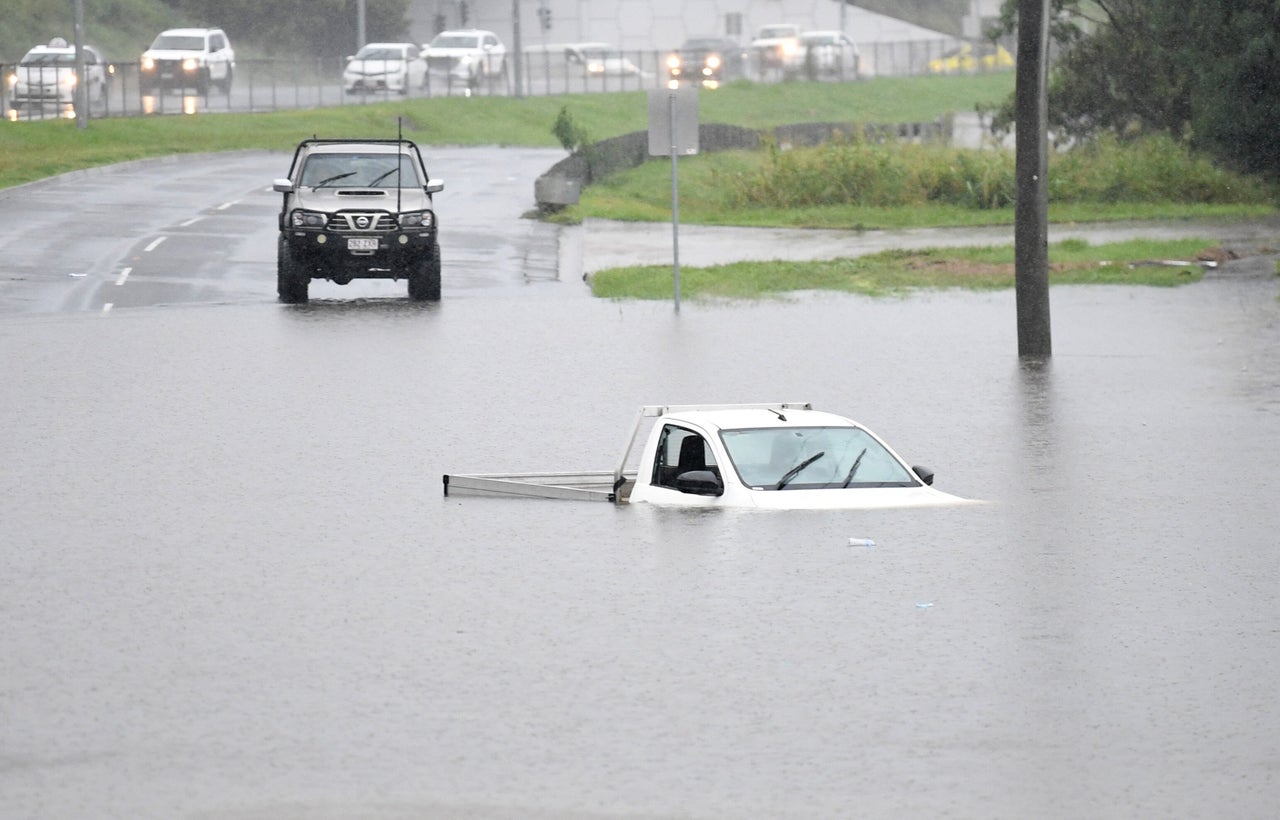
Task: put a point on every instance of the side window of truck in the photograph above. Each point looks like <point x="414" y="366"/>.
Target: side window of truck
<point x="680" y="451"/>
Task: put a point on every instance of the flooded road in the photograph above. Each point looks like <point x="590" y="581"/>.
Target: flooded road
<point x="234" y="589"/>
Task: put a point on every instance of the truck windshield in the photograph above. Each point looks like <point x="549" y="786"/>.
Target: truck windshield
<point x="851" y="457"/>
<point x="359" y="171"/>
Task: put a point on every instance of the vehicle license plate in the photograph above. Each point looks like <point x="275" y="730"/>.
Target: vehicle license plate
<point x="362" y="243"/>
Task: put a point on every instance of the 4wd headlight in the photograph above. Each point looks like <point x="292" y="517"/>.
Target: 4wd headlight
<point x="417" y="219"/>
<point x="190" y="64"/>
<point x="148" y="64"/>
<point x="308" y="219"/>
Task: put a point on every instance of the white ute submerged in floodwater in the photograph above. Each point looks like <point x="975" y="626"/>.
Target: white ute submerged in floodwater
<point x="781" y="456"/>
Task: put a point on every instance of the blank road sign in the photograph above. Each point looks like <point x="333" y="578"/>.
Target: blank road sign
<point x="685" y="109"/>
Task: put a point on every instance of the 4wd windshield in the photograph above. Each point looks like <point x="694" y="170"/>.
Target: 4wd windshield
<point x="178" y="42"/>
<point x="832" y="457"/>
<point x="359" y="171"/>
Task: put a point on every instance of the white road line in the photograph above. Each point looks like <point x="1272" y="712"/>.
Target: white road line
<point x="106" y="308"/>
<point x="154" y="244"/>
<point x="190" y="222"/>
<point x="124" y="274"/>
<point x="226" y="205"/>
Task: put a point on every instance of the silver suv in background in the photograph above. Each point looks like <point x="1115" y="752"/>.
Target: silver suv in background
<point x="357" y="209"/>
<point x="193" y="59"/>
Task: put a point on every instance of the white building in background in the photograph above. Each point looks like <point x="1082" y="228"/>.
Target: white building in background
<point x="661" y="25"/>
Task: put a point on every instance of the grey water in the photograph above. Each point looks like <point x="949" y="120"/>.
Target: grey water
<point x="233" y="587"/>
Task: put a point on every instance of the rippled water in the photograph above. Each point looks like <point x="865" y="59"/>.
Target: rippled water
<point x="234" y="589"/>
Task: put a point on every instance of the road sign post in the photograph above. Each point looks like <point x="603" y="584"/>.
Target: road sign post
<point x="673" y="131"/>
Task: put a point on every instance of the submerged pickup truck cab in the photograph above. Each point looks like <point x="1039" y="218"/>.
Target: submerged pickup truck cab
<point x="783" y="456"/>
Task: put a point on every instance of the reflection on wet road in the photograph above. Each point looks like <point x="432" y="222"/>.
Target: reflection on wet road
<point x="235" y="590"/>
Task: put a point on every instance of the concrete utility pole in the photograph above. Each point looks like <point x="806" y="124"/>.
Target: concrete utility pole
<point x="1031" y="210"/>
<point x="82" y="90"/>
<point x="517" y="48"/>
<point x="359" y="25"/>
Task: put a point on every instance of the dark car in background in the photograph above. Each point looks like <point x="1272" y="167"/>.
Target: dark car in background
<point x="706" y="61"/>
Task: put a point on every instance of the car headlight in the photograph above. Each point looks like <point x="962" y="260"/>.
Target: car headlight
<point x="69" y="79"/>
<point x="12" y="80"/>
<point x="308" y="219"/>
<point x="190" y="64"/>
<point x="713" y="61"/>
<point x="417" y="219"/>
<point x="673" y="62"/>
<point x="148" y="64"/>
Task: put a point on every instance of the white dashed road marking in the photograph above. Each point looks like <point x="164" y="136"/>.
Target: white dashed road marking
<point x="124" y="274"/>
<point x="154" y="244"/>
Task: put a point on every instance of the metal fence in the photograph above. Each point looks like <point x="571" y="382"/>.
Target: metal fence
<point x="272" y="85"/>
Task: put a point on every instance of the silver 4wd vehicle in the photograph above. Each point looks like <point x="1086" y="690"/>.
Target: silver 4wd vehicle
<point x="357" y="209"/>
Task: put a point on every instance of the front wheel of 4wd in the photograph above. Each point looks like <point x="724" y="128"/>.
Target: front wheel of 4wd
<point x="424" y="281"/>
<point x="291" y="280"/>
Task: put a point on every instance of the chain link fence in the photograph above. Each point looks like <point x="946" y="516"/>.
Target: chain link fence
<point x="118" y="89"/>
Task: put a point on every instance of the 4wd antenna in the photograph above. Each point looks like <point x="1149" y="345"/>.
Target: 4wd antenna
<point x="399" y="160"/>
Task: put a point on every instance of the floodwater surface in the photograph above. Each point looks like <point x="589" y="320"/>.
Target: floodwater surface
<point x="234" y="588"/>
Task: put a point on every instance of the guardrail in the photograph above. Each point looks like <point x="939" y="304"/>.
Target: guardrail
<point x="271" y="85"/>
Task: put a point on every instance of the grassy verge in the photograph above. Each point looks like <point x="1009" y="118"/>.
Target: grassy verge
<point x="1074" y="261"/>
<point x="871" y="186"/>
<point x="34" y="150"/>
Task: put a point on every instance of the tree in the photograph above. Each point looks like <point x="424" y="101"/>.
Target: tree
<point x="1236" y="101"/>
<point x="1200" y="70"/>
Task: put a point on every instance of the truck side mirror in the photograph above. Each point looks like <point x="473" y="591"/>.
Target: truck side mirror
<point x="925" y="474"/>
<point x="699" y="482"/>
<point x="282" y="186"/>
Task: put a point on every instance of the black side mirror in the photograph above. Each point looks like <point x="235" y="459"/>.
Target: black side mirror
<point x="925" y="474"/>
<point x="699" y="482"/>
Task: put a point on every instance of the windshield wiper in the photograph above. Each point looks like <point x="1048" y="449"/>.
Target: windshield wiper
<point x="795" y="471"/>
<point x="334" y="178"/>
<point x="382" y="177"/>
<point x="849" y="478"/>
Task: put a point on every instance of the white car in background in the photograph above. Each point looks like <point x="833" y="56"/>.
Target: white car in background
<point x="776" y="47"/>
<point x="600" y="60"/>
<point x="829" y="54"/>
<point x="385" y="67"/>
<point x="466" y="56"/>
<point x="47" y="75"/>
<point x="189" y="59"/>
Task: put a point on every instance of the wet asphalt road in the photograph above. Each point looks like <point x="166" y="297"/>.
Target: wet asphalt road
<point x="201" y="230"/>
<point x="234" y="589"/>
